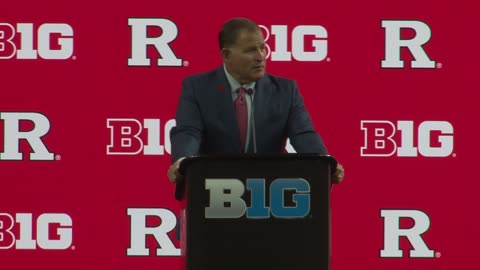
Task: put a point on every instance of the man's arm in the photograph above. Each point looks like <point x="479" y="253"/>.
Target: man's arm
<point x="186" y="136"/>
<point x="301" y="132"/>
<point x="303" y="136"/>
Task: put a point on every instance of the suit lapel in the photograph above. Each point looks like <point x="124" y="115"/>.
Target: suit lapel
<point x="263" y="92"/>
<point x="226" y="109"/>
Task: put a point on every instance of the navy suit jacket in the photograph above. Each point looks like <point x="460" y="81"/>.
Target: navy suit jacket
<point x="206" y="120"/>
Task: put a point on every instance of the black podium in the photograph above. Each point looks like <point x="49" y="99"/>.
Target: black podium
<point x="254" y="212"/>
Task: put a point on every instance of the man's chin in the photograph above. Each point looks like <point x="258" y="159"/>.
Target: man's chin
<point x="258" y="75"/>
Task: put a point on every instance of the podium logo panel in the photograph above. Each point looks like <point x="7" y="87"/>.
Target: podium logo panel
<point x="226" y="199"/>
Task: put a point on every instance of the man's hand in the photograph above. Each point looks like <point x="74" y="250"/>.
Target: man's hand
<point x="173" y="173"/>
<point x="338" y="175"/>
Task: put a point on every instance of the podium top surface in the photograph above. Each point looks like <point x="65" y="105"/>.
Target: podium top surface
<point x="288" y="156"/>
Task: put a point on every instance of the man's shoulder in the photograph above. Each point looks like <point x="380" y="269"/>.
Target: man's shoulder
<point x="278" y="81"/>
<point x="203" y="76"/>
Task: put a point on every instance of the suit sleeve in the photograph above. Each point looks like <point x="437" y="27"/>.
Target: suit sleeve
<point x="301" y="132"/>
<point x="186" y="136"/>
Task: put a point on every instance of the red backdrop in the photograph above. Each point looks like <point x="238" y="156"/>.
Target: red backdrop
<point x="391" y="87"/>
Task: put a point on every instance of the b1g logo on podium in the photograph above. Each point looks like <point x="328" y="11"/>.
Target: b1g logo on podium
<point x="230" y="191"/>
<point x="53" y="41"/>
<point x="303" y="43"/>
<point x="61" y="224"/>
<point x="129" y="137"/>
<point x="14" y="133"/>
<point x="432" y="139"/>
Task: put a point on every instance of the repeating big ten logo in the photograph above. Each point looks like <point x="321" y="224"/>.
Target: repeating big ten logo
<point x="394" y="43"/>
<point x="229" y="192"/>
<point x="12" y="135"/>
<point x="53" y="231"/>
<point x="126" y="136"/>
<point x="53" y="41"/>
<point x="314" y="50"/>
<point x="393" y="232"/>
<point x="140" y="231"/>
<point x="433" y="139"/>
<point x="141" y="40"/>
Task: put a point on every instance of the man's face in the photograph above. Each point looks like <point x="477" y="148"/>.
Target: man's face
<point x="245" y="60"/>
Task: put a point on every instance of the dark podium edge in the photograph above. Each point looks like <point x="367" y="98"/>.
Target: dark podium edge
<point x="180" y="187"/>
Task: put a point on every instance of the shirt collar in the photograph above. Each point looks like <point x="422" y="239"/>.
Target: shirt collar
<point x="234" y="84"/>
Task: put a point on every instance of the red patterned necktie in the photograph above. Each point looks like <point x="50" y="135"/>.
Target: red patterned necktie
<point x="242" y="117"/>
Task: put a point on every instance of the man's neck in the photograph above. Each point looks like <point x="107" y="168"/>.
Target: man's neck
<point x="234" y="83"/>
<point x="235" y="76"/>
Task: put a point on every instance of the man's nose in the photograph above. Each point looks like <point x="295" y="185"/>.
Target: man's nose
<point x="260" y="56"/>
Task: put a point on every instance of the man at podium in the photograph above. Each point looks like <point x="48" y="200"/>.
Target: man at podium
<point x="239" y="108"/>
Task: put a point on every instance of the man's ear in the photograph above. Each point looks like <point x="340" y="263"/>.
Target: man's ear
<point x="225" y="54"/>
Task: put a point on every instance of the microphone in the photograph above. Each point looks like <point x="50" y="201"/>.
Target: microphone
<point x="252" y="118"/>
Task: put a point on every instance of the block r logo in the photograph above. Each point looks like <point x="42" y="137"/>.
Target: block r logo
<point x="393" y="232"/>
<point x="394" y="43"/>
<point x="141" y="40"/>
<point x="140" y="231"/>
<point x="13" y="135"/>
